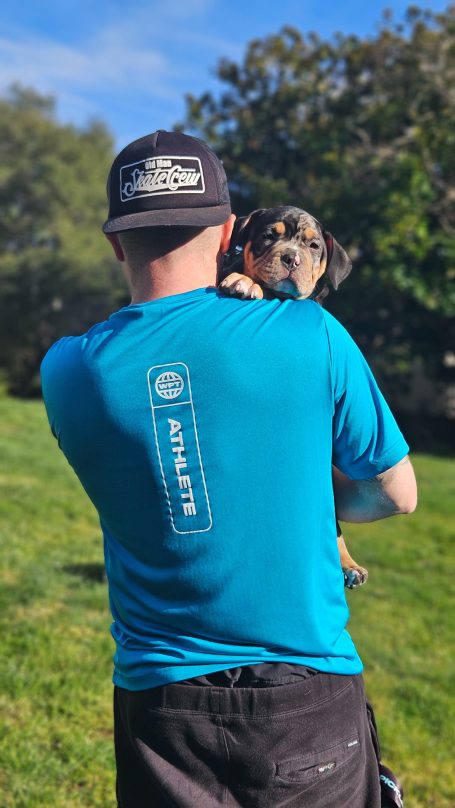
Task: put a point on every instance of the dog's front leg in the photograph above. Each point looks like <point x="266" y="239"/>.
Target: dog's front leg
<point x="354" y="574"/>
<point x="237" y="285"/>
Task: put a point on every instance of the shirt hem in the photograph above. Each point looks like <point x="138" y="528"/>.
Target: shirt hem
<point x="166" y="676"/>
<point x="386" y="461"/>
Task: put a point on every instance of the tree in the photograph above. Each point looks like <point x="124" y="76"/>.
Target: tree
<point x="56" y="273"/>
<point x="361" y="132"/>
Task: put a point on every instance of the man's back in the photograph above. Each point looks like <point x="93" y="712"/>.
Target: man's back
<point x="203" y="429"/>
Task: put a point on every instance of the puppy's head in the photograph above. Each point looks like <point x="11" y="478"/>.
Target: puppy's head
<point x="287" y="251"/>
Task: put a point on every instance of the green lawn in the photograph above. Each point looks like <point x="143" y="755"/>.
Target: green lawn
<point x="55" y="666"/>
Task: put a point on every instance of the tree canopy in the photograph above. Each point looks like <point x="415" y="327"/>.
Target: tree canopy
<point x="56" y="273"/>
<point x="360" y="132"/>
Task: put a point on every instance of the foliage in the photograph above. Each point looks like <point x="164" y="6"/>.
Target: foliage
<point x="56" y="742"/>
<point x="361" y="132"/>
<point x="56" y="273"/>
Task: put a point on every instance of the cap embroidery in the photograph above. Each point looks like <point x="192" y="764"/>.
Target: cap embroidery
<point x="161" y="175"/>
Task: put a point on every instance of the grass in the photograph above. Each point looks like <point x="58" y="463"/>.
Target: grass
<point x="403" y="623"/>
<point x="55" y="666"/>
<point x="56" y="746"/>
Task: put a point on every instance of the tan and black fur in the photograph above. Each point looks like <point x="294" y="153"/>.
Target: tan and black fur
<point x="285" y="252"/>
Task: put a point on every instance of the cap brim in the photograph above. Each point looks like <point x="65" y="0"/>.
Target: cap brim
<point x="182" y="217"/>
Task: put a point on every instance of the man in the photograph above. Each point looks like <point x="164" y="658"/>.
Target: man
<point x="203" y="429"/>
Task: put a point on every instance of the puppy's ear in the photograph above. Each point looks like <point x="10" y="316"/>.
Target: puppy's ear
<point x="242" y="229"/>
<point x="339" y="264"/>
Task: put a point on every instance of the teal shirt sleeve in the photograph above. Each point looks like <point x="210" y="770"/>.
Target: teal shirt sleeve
<point x="366" y="438"/>
<point x="53" y="382"/>
<point x="62" y="388"/>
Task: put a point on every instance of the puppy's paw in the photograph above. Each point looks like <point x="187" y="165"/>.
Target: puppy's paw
<point x="354" y="576"/>
<point x="237" y="285"/>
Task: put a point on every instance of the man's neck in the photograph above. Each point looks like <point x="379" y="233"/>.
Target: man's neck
<point x="165" y="277"/>
<point x="142" y="293"/>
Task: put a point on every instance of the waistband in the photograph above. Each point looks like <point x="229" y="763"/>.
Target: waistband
<point x="263" y="674"/>
<point x="252" y="701"/>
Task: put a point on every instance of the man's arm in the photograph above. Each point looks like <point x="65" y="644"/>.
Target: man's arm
<point x="392" y="492"/>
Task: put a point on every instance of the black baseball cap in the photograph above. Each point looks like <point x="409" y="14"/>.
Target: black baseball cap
<point x="166" y="178"/>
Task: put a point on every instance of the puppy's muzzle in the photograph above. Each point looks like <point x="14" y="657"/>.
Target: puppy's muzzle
<point x="291" y="260"/>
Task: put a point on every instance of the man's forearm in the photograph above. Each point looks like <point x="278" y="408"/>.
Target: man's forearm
<point x="391" y="493"/>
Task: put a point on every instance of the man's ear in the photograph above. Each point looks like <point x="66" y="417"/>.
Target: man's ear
<point x="227" y="233"/>
<point x="339" y="264"/>
<point x="116" y="246"/>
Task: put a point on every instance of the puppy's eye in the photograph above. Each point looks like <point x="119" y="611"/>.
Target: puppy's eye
<point x="269" y="235"/>
<point x="314" y="245"/>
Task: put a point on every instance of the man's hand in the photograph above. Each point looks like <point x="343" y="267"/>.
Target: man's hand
<point x="390" y="493"/>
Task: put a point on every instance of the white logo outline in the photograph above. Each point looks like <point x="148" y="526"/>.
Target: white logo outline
<point x="167" y="378"/>
<point x="143" y="180"/>
<point x="163" y="476"/>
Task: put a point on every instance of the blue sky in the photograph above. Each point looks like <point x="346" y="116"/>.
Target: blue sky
<point x="130" y="62"/>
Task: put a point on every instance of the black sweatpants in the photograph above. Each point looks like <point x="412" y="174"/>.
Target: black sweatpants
<point x="267" y="736"/>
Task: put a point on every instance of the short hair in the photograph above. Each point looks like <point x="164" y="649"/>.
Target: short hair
<point x="145" y="244"/>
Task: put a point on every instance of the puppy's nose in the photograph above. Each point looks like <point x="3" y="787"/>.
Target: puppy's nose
<point x="291" y="260"/>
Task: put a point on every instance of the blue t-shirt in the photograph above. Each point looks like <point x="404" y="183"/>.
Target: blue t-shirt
<point x="203" y="429"/>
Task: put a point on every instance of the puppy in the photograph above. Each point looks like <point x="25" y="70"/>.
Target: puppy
<point x="285" y="252"/>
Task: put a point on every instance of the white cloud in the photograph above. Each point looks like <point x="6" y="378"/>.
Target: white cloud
<point x="100" y="62"/>
<point x="147" y="53"/>
<point x="139" y="45"/>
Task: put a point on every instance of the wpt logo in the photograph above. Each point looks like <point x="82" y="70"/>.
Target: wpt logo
<point x="177" y="446"/>
<point x="169" y="385"/>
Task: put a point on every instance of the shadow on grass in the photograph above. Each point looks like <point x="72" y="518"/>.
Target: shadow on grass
<point x="92" y="573"/>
